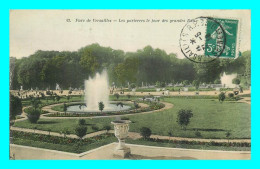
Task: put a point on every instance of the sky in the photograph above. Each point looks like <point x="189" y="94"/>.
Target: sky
<point x="32" y="30"/>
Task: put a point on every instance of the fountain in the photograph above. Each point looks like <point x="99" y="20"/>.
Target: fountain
<point x="96" y="90"/>
<point x="226" y="80"/>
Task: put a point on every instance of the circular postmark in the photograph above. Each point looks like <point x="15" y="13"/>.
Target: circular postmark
<point x="202" y="40"/>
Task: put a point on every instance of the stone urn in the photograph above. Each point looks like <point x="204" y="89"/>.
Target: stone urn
<point x="121" y="128"/>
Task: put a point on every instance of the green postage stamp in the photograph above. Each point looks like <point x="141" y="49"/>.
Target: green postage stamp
<point x="205" y="38"/>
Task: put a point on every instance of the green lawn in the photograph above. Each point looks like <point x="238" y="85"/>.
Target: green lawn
<point x="211" y="118"/>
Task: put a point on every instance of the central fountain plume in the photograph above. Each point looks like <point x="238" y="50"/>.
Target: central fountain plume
<point x="97" y="90"/>
<point x="226" y="80"/>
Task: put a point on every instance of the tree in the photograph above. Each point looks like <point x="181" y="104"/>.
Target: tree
<point x="101" y="106"/>
<point x="183" y="118"/>
<point x="33" y="114"/>
<point x="196" y="84"/>
<point x="145" y="132"/>
<point x="65" y="107"/>
<point x="208" y="72"/>
<point x="81" y="131"/>
<point x="58" y="98"/>
<point x="82" y="122"/>
<point x="221" y="97"/>
<point x="230" y="95"/>
<point x="15" y="106"/>
<point x="116" y="95"/>
<point x="35" y="102"/>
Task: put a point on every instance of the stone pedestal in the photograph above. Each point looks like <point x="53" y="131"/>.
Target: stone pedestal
<point x="121" y="128"/>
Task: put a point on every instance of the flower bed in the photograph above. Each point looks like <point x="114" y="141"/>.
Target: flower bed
<point x="57" y="139"/>
<point x="211" y="143"/>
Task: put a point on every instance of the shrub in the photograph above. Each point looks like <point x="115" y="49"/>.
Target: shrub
<point x="145" y="132"/>
<point x="221" y="97"/>
<point x="101" y="106"/>
<point x="183" y="118"/>
<point x="116" y="95"/>
<point x="81" y="131"/>
<point x="33" y="115"/>
<point x="15" y="106"/>
<point x="230" y="95"/>
<point x="82" y="122"/>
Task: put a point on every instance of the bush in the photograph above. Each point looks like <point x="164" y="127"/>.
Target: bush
<point x="81" y="131"/>
<point x="221" y="97"/>
<point x="15" y="106"/>
<point x="82" y="122"/>
<point x="145" y="132"/>
<point x="183" y="118"/>
<point x="33" y="115"/>
<point x="116" y="95"/>
<point x="230" y="95"/>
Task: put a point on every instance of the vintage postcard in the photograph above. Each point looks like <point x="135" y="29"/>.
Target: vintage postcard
<point x="130" y="84"/>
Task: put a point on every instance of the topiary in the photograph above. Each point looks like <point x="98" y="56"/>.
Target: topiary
<point x="33" y="115"/>
<point x="15" y="106"/>
<point x="145" y="132"/>
<point x="221" y="97"/>
<point x="82" y="122"/>
<point x="230" y="95"/>
<point x="81" y="131"/>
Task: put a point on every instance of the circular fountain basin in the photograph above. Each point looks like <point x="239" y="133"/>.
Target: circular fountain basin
<point x="108" y="108"/>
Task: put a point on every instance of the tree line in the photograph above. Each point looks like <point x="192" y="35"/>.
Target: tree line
<point x="44" y="69"/>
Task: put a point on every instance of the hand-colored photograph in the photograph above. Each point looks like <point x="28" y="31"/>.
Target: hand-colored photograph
<point x="130" y="84"/>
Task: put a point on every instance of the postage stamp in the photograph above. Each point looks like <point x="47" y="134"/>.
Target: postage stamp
<point x="204" y="39"/>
